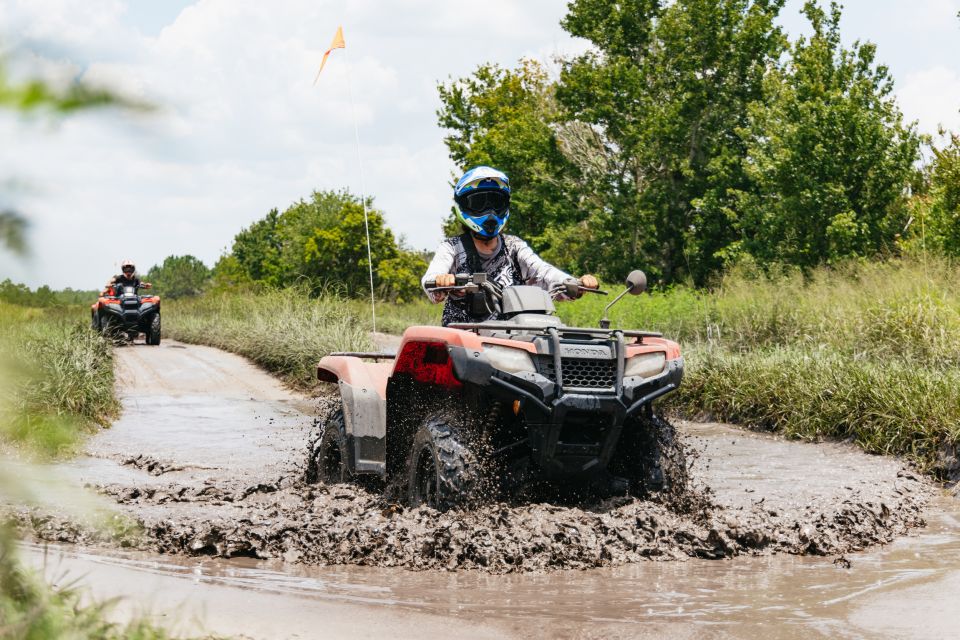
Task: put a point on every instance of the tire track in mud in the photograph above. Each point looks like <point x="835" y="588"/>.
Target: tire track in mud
<point x="752" y="494"/>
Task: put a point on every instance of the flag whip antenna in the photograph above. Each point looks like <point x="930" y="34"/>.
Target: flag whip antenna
<point x="338" y="43"/>
<point x="363" y="191"/>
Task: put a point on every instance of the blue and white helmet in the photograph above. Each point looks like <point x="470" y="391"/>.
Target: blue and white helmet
<point x="483" y="200"/>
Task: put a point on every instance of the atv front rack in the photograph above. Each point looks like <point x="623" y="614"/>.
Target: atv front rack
<point x="509" y="326"/>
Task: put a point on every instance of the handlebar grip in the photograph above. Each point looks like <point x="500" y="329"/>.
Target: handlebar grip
<point x="430" y="284"/>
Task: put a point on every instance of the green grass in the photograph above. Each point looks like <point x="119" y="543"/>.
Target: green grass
<point x="285" y="331"/>
<point x="56" y="384"/>
<point x="395" y="318"/>
<point x="885" y="407"/>
<point x="57" y="379"/>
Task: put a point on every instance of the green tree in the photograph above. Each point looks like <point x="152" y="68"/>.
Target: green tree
<point x="321" y="241"/>
<point x="505" y="118"/>
<point x="256" y="250"/>
<point x="828" y="152"/>
<point x="229" y="275"/>
<point x="179" y="276"/>
<point x="399" y="277"/>
<point x="337" y="255"/>
<point x="662" y="96"/>
<point x="935" y="206"/>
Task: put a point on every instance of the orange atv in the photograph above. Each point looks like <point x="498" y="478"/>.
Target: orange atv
<point x="476" y="410"/>
<point x="121" y="312"/>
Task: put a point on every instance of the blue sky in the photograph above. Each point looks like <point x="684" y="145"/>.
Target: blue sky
<point x="240" y="129"/>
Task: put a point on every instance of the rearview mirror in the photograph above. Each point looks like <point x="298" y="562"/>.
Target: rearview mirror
<point x="637" y="281"/>
<point x="636" y="284"/>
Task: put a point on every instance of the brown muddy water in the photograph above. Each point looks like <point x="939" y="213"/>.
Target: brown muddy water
<point x="208" y="457"/>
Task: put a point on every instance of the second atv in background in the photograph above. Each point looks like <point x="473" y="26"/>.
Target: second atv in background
<point x="474" y="411"/>
<point x="122" y="313"/>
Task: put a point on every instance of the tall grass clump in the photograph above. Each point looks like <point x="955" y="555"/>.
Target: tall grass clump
<point x="395" y="318"/>
<point x="884" y="407"/>
<point x="58" y="379"/>
<point x="284" y="331"/>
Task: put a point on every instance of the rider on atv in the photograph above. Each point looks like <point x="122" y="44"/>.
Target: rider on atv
<point x="483" y="206"/>
<point x="127" y="278"/>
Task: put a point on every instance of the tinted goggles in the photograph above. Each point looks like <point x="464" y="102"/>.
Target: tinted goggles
<point x="482" y="201"/>
<point x="128" y="269"/>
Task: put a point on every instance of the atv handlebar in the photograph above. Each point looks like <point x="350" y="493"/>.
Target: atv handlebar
<point x="471" y="283"/>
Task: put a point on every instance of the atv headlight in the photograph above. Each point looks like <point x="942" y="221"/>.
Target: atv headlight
<point x="645" y="365"/>
<point x="509" y="359"/>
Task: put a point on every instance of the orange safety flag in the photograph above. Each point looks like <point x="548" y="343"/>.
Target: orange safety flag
<point x="337" y="43"/>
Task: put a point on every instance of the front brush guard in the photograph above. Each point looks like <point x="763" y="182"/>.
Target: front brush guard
<point x="547" y="409"/>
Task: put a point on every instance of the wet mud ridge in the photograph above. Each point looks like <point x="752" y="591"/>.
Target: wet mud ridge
<point x="345" y="525"/>
<point x="241" y="492"/>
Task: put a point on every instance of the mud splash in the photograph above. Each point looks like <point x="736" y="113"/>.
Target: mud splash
<point x="343" y="524"/>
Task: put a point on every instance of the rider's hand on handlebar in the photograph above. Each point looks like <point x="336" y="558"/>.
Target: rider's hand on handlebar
<point x="589" y="282"/>
<point x="146" y="285"/>
<point x="446" y="280"/>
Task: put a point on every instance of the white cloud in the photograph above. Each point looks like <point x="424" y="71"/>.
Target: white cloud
<point x="932" y="97"/>
<point x="240" y="128"/>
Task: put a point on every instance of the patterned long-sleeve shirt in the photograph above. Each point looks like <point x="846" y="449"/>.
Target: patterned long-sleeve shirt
<point x="512" y="263"/>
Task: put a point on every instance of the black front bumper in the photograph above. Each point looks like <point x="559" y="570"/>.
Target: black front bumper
<point x="570" y="432"/>
<point x="129" y="319"/>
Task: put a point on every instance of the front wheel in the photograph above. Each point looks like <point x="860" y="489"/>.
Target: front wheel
<point x="650" y="456"/>
<point x="443" y="470"/>
<point x="329" y="461"/>
<point x="95" y="322"/>
<point x="153" y="332"/>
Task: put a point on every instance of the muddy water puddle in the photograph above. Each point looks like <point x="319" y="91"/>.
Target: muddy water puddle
<point x="907" y="589"/>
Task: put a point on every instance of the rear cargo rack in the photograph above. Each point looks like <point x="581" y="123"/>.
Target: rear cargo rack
<point x="381" y="355"/>
<point x="507" y="326"/>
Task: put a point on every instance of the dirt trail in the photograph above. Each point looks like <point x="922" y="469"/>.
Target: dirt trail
<point x="208" y="455"/>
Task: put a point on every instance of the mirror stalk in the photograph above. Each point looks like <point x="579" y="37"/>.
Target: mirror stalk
<point x="605" y="321"/>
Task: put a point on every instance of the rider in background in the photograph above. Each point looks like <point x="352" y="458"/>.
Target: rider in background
<point x="128" y="278"/>
<point x="483" y="207"/>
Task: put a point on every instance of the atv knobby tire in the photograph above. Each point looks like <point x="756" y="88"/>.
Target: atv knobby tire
<point x="650" y="457"/>
<point x="443" y="471"/>
<point x="329" y="462"/>
<point x="153" y="334"/>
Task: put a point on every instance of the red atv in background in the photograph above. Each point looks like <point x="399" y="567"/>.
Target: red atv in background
<point x="475" y="411"/>
<point x="121" y="312"/>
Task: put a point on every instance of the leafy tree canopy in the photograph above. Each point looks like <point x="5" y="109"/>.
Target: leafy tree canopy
<point x="179" y="276"/>
<point x="693" y="135"/>
<point x="322" y="241"/>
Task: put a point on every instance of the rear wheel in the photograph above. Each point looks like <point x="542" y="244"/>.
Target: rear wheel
<point x="443" y="470"/>
<point x="153" y="333"/>
<point x="650" y="457"/>
<point x="329" y="461"/>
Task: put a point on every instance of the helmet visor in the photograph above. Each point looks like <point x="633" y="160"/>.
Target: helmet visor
<point x="129" y="269"/>
<point x="483" y="201"/>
